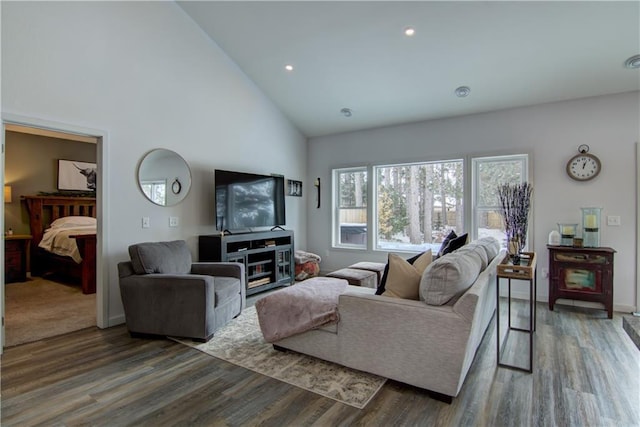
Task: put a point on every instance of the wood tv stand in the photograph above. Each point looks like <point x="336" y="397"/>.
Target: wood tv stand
<point x="267" y="256"/>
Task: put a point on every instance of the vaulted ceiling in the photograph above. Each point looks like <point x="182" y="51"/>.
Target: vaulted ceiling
<point x="355" y="55"/>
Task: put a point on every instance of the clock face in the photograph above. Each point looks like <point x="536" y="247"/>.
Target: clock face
<point x="583" y="167"/>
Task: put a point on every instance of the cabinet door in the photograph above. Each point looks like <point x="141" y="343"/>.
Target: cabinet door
<point x="283" y="258"/>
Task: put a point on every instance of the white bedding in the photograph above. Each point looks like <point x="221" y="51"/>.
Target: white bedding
<point x="56" y="239"/>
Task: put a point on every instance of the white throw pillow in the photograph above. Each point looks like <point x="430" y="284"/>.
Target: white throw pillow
<point x="449" y="276"/>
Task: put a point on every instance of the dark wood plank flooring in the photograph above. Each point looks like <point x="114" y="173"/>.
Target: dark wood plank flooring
<point x="586" y="373"/>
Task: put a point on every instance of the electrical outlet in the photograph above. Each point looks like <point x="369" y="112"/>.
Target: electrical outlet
<point x="545" y="273"/>
<point x="613" y="220"/>
<point x="146" y="223"/>
<point x="173" y="221"/>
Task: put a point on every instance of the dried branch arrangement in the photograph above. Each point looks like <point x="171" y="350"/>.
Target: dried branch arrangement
<point x="515" y="204"/>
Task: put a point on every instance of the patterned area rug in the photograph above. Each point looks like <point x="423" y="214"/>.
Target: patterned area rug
<point x="240" y="342"/>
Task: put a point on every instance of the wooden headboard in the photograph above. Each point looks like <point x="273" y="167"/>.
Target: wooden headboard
<point x="43" y="210"/>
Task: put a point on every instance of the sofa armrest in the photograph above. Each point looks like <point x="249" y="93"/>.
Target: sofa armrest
<point x="148" y="298"/>
<point x="228" y="269"/>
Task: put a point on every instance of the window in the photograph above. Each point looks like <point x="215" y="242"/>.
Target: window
<point x="156" y="191"/>
<point x="415" y="205"/>
<point x="418" y="204"/>
<point x="488" y="173"/>
<point x="350" y="207"/>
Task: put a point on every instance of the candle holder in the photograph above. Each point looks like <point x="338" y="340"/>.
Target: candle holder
<point x="591" y="227"/>
<point x="567" y="233"/>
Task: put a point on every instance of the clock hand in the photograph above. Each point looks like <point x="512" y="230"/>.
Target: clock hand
<point x="584" y="164"/>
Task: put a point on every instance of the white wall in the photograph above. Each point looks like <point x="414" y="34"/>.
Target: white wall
<point x="610" y="125"/>
<point x="148" y="77"/>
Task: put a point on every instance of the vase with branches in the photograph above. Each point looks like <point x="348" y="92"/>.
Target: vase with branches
<point x="515" y="204"/>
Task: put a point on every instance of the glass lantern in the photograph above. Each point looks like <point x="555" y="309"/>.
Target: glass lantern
<point x="591" y="227"/>
<point x="567" y="233"/>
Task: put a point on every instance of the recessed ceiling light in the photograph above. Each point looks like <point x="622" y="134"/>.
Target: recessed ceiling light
<point x="346" y="112"/>
<point x="288" y="67"/>
<point x="462" y="91"/>
<point x="409" y="31"/>
<point x="633" y="62"/>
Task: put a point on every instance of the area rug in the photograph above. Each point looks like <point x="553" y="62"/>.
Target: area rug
<point x="240" y="342"/>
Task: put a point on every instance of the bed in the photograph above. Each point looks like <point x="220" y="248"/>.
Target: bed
<point x="66" y="214"/>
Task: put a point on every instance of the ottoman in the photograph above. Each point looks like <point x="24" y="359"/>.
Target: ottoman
<point x="356" y="277"/>
<point x="376" y="267"/>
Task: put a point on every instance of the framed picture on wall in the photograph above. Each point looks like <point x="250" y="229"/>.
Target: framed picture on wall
<point x="76" y="175"/>
<point x="294" y="188"/>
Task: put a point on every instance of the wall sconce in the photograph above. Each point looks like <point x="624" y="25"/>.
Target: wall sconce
<point x="7" y="194"/>
<point x="317" y="184"/>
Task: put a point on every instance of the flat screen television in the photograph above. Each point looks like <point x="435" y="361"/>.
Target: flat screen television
<point x="246" y="200"/>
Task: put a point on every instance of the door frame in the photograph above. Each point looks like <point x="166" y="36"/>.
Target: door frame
<point x="102" y="192"/>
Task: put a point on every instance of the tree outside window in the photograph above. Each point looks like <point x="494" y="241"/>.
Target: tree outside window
<point x="418" y="204"/>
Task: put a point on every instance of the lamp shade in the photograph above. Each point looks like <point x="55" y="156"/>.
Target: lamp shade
<point x="7" y="194"/>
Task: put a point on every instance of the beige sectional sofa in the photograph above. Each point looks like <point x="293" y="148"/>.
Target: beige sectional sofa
<point x="425" y="345"/>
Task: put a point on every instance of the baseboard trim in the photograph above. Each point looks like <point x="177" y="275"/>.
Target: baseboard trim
<point x="116" y="320"/>
<point x="621" y="308"/>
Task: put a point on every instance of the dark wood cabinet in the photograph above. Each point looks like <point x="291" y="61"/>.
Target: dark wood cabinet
<point x="584" y="274"/>
<point x="267" y="256"/>
<point x="16" y="247"/>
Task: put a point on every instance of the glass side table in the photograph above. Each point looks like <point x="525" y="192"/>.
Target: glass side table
<point x="525" y="271"/>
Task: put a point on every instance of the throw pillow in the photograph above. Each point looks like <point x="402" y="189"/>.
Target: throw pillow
<point x="452" y="235"/>
<point x="455" y="243"/>
<point x="385" y="274"/>
<point x="448" y="277"/>
<point x="403" y="280"/>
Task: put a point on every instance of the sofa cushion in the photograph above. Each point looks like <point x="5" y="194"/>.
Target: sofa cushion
<point x="491" y="245"/>
<point x="449" y="277"/>
<point x="403" y="280"/>
<point x="383" y="281"/>
<point x="161" y="257"/>
<point x="476" y="249"/>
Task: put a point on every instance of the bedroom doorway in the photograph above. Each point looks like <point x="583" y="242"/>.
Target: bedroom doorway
<point x="27" y="302"/>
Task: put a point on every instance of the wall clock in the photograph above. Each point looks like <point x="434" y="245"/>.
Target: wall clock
<point x="583" y="166"/>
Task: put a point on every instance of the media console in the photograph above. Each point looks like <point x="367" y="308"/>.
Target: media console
<point x="267" y="256"/>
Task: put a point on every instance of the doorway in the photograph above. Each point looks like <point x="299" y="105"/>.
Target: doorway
<point x="23" y="177"/>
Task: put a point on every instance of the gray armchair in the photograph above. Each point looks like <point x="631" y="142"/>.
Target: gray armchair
<point x="164" y="293"/>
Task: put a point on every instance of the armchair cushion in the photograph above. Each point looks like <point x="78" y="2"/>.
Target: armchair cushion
<point x="161" y="257"/>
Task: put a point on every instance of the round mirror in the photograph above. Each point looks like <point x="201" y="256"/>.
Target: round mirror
<point x="164" y="177"/>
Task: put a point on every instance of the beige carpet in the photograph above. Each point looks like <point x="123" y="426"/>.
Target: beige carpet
<point x="41" y="308"/>
<point x="240" y="342"/>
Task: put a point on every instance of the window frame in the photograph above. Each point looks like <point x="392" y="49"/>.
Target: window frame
<point x="335" y="207"/>
<point x="470" y="164"/>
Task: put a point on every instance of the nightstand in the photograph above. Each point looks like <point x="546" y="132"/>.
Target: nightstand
<point x="16" y="247"/>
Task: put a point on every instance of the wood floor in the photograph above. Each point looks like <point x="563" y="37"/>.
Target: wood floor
<point x="586" y="373"/>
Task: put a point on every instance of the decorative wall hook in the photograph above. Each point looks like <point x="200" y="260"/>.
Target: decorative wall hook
<point x="317" y="184"/>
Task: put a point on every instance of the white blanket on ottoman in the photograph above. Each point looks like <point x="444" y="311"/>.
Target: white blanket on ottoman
<point x="299" y="308"/>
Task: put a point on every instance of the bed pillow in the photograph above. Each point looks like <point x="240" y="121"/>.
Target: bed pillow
<point x="161" y="257"/>
<point x="403" y="280"/>
<point x="73" y="221"/>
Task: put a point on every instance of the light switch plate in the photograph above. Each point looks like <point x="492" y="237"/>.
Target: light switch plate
<point x="173" y="221"/>
<point x="146" y="223"/>
<point x="613" y="220"/>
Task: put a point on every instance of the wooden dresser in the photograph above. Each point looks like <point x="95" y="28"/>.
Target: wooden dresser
<point x="584" y="274"/>
<point x="16" y="248"/>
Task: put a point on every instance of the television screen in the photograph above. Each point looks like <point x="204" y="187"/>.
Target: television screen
<point x="246" y="200"/>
